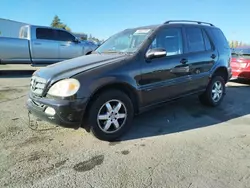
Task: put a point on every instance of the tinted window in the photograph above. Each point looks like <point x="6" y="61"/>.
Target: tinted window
<point x="195" y="40"/>
<point x="207" y="41"/>
<point x="170" y="40"/>
<point x="64" y="36"/>
<point x="220" y="37"/>
<point x="43" y="33"/>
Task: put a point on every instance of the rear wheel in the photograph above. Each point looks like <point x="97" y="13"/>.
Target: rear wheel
<point x="214" y="93"/>
<point x="110" y="115"/>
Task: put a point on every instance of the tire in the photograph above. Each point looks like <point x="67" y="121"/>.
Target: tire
<point x="99" y="109"/>
<point x="207" y="97"/>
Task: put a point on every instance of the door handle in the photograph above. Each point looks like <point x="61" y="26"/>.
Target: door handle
<point x="37" y="43"/>
<point x="63" y="45"/>
<point x="184" y="61"/>
<point x="213" y="56"/>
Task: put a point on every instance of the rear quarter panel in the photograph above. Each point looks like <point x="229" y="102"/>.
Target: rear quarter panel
<point x="222" y="48"/>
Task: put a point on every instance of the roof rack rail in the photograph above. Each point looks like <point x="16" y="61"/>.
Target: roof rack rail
<point x="198" y="22"/>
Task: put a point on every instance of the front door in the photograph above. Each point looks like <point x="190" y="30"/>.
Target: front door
<point x="44" y="47"/>
<point x="68" y="48"/>
<point x="166" y="77"/>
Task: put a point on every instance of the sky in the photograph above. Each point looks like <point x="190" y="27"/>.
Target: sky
<point x="103" y="18"/>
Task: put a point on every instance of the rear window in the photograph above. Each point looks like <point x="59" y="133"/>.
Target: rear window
<point x="220" y="37"/>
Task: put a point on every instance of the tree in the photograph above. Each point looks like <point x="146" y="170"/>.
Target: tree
<point x="90" y="37"/>
<point x="231" y="44"/>
<point x="56" y="22"/>
<point x="236" y="44"/>
<point x="240" y="44"/>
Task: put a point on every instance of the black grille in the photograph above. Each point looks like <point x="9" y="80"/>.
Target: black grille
<point x="37" y="85"/>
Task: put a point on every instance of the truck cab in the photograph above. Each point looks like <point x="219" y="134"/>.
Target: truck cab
<point x="41" y="45"/>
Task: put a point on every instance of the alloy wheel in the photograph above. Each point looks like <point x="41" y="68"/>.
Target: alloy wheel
<point x="112" y="116"/>
<point x="217" y="91"/>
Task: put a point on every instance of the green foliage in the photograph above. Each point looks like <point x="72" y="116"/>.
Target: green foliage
<point x="91" y="38"/>
<point x="56" y="22"/>
<point x="235" y="44"/>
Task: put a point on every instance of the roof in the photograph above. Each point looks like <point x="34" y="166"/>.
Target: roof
<point x="177" y="23"/>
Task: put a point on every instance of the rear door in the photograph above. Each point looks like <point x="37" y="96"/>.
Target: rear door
<point x="44" y="47"/>
<point x="200" y="57"/>
<point x="68" y="48"/>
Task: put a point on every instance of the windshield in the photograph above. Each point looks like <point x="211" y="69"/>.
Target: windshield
<point x="125" y="41"/>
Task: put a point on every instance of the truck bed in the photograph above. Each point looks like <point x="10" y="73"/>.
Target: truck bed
<point x="14" y="50"/>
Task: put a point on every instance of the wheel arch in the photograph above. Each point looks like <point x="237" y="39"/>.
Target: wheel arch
<point x="121" y="86"/>
<point x="221" y="71"/>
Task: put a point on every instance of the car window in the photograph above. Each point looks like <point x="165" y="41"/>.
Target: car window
<point x="195" y="40"/>
<point x="170" y="39"/>
<point x="43" y="33"/>
<point x="207" y="41"/>
<point x="220" y="37"/>
<point x="64" y="36"/>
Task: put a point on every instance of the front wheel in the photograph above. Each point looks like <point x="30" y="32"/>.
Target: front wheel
<point x="214" y="93"/>
<point x="110" y="115"/>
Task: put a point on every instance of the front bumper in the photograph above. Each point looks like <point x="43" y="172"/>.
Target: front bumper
<point x="69" y="113"/>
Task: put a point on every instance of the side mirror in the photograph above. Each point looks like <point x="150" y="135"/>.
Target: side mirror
<point x="156" y="53"/>
<point x="76" y="40"/>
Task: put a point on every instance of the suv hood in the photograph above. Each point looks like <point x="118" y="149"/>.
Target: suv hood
<point x="69" y="68"/>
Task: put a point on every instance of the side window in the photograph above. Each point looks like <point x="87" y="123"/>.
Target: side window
<point x="195" y="40"/>
<point x="43" y="33"/>
<point x="64" y="36"/>
<point x="169" y="39"/>
<point x="220" y="37"/>
<point x="207" y="41"/>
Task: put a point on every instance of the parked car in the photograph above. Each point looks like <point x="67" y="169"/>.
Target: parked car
<point x="240" y="63"/>
<point x="133" y="71"/>
<point x="41" y="45"/>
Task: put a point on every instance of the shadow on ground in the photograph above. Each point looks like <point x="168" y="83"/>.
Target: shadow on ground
<point x="187" y="114"/>
<point x="16" y="74"/>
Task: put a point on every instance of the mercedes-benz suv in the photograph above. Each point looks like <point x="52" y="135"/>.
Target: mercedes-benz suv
<point x="133" y="71"/>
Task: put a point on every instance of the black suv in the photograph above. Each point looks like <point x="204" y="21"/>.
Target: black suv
<point x="133" y="71"/>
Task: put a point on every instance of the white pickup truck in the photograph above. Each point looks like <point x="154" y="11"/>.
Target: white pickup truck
<point x="41" y="45"/>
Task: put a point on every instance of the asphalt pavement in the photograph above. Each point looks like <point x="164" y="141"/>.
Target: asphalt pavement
<point x="180" y="145"/>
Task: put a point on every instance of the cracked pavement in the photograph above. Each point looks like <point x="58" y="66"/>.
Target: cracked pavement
<point x="182" y="144"/>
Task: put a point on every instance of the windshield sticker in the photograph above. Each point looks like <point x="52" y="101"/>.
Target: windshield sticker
<point x="142" y="31"/>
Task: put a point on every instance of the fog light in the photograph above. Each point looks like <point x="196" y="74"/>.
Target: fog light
<point x="50" y="111"/>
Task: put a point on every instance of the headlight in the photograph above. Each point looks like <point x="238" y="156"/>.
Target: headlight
<point x="64" y="88"/>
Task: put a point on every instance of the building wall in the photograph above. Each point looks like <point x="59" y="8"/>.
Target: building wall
<point x="9" y="28"/>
